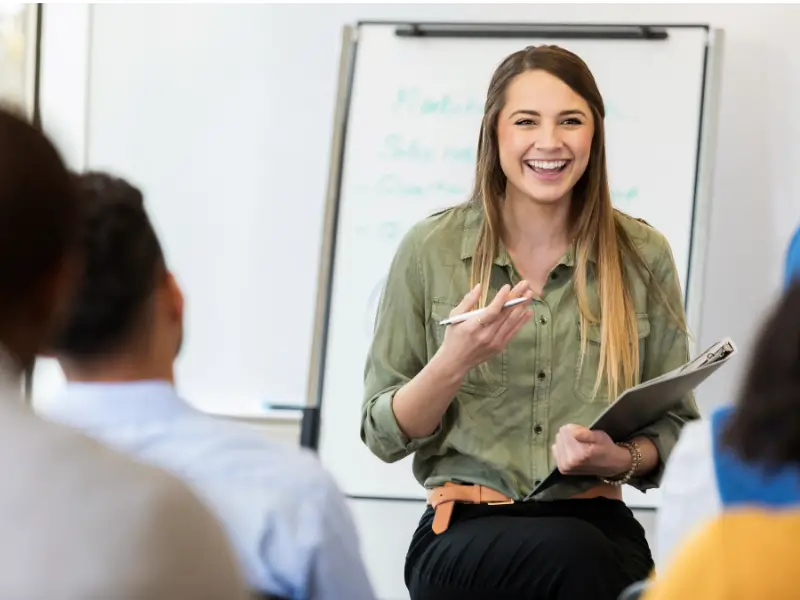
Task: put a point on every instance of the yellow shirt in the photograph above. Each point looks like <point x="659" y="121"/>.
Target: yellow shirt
<point x="744" y="554"/>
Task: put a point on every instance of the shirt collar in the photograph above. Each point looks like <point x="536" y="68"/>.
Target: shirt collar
<point x="124" y="401"/>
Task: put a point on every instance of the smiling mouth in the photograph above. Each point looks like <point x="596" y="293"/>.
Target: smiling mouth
<point x="547" y="167"/>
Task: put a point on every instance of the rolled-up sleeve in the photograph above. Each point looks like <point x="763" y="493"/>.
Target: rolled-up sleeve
<point x="666" y="348"/>
<point x="397" y="353"/>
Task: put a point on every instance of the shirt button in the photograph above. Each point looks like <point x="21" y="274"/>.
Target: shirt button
<point x="537" y="482"/>
<point x="543" y="320"/>
<point x="541" y="375"/>
<point x="537" y="430"/>
<point x="554" y="275"/>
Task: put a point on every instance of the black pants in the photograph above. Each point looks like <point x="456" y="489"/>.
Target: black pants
<point x="561" y="550"/>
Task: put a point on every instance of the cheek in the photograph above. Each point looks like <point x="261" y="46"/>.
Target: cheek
<point x="510" y="148"/>
<point x="582" y="148"/>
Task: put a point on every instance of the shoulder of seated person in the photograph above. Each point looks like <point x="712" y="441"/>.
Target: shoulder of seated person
<point x="134" y="514"/>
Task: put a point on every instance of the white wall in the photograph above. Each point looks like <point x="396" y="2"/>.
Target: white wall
<point x="271" y="50"/>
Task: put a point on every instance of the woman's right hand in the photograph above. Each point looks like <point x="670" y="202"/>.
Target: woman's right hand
<point x="474" y="341"/>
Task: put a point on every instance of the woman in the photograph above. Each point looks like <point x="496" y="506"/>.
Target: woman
<point x="491" y="405"/>
<point x="734" y="483"/>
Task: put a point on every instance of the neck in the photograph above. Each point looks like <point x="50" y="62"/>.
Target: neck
<point x="532" y="226"/>
<point x="119" y="369"/>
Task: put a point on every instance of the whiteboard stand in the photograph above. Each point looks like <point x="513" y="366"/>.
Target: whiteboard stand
<point x="376" y="57"/>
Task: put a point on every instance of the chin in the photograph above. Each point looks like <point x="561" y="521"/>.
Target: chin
<point x="546" y="195"/>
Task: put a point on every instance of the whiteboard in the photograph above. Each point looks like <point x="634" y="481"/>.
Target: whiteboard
<point x="412" y="111"/>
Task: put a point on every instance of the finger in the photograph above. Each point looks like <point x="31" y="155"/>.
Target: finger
<point x="563" y="455"/>
<point x="514" y="320"/>
<point x="573" y="454"/>
<point x="520" y="289"/>
<point x="468" y="302"/>
<point x="495" y="307"/>
<point x="558" y="457"/>
<point x="583" y="435"/>
<point x="562" y="446"/>
<point x="511" y="326"/>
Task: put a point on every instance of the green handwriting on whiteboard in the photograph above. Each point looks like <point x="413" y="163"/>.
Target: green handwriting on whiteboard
<point x="396" y="146"/>
<point x="414" y="101"/>
<point x="624" y="195"/>
<point x="394" y="185"/>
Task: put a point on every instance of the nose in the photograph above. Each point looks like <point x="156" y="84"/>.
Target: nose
<point x="549" y="138"/>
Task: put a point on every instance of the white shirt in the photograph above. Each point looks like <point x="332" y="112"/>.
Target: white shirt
<point x="689" y="493"/>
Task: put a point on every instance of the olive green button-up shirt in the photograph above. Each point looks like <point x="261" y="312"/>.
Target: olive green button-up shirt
<point x="500" y="426"/>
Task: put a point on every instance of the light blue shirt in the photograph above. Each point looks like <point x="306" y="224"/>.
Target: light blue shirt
<point x="288" y="521"/>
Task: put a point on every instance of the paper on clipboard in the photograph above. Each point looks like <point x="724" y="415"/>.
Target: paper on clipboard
<point x="641" y="405"/>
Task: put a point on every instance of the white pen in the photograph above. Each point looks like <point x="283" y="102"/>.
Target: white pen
<point x="475" y="313"/>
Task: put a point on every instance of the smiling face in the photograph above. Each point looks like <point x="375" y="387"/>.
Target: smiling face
<point x="544" y="137"/>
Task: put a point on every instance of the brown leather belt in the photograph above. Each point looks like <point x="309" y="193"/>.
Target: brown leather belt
<point x="442" y="499"/>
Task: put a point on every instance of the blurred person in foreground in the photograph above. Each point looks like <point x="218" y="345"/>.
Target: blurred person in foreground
<point x="729" y="521"/>
<point x="284" y="514"/>
<point x="79" y="520"/>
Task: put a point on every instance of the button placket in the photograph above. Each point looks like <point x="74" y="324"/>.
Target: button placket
<point x="540" y="446"/>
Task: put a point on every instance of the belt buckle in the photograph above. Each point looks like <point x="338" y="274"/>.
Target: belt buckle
<point x="500" y="503"/>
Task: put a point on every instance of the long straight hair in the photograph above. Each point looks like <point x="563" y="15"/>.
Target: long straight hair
<point x="594" y="226"/>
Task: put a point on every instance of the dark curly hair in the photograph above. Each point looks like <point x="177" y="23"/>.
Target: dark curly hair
<point x="765" y="426"/>
<point x="123" y="261"/>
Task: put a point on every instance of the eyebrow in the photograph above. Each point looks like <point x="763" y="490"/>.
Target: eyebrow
<point x="535" y="113"/>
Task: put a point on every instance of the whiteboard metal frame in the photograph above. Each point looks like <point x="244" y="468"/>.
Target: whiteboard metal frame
<point x="703" y="194"/>
<point x="701" y="212"/>
<point x="309" y="435"/>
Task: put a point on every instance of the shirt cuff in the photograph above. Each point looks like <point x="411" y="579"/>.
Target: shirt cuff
<point x="663" y="435"/>
<point x="384" y="436"/>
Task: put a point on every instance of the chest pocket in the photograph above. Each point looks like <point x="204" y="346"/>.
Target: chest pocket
<point x="586" y="374"/>
<point x="487" y="380"/>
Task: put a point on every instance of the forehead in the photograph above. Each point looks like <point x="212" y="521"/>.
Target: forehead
<point x="542" y="92"/>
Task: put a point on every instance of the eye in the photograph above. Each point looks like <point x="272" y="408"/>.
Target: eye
<point x="572" y="121"/>
<point x="524" y="122"/>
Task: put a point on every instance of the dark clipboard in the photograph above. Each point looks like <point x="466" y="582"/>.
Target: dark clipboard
<point x="641" y="405"/>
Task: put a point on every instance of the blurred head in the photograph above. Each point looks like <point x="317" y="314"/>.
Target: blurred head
<point x="542" y="140"/>
<point x="126" y="322"/>
<point x="765" y="427"/>
<point x="39" y="220"/>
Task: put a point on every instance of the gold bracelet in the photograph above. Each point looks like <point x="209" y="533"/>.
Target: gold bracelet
<point x="636" y="459"/>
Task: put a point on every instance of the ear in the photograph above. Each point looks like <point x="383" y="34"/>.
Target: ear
<point x="53" y="300"/>
<point x="175" y="297"/>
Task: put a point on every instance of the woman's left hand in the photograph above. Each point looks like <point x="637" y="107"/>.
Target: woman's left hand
<point x="582" y="451"/>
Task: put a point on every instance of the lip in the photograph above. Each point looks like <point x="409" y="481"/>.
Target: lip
<point x="550" y="177"/>
<point x="547" y="159"/>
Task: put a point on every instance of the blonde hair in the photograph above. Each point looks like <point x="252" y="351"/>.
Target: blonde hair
<point x="595" y="228"/>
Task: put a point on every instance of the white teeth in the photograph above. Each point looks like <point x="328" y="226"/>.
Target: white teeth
<point x="547" y="164"/>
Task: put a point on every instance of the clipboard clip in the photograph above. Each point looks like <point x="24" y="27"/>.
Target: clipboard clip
<point x="711" y="356"/>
